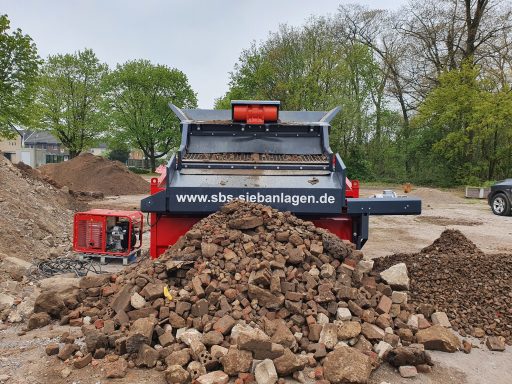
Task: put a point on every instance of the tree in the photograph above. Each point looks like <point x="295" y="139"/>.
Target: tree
<point x="377" y="29"/>
<point x="313" y="67"/>
<point x="446" y="34"/>
<point x="119" y="152"/>
<point x="394" y="74"/>
<point x="424" y="39"/>
<point x="138" y="94"/>
<point x="19" y="63"/>
<point x="70" y="97"/>
<point x="467" y="124"/>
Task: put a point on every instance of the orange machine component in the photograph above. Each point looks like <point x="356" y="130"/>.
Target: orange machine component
<point x="256" y="113"/>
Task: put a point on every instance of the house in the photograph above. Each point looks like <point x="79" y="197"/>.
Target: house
<point x="53" y="148"/>
<point x="137" y="154"/>
<point x="10" y="148"/>
<point x="34" y="148"/>
<point x="138" y="160"/>
<point x="99" y="150"/>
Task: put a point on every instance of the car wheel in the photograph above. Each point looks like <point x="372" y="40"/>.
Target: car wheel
<point x="500" y="205"/>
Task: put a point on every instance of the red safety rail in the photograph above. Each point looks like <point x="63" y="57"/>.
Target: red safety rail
<point x="352" y="188"/>
<point x="162" y="170"/>
<point x="89" y="230"/>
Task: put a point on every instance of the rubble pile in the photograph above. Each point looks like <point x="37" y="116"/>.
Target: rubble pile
<point x="35" y="217"/>
<point x="453" y="275"/>
<point x="87" y="173"/>
<point x="35" y="223"/>
<point x="257" y="294"/>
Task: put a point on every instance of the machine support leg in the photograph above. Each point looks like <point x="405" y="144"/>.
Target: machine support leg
<point x="360" y="225"/>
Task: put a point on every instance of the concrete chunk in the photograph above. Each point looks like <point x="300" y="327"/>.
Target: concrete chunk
<point x="441" y="318"/>
<point x="265" y="372"/>
<point x="396" y="276"/>
<point x="141" y="332"/>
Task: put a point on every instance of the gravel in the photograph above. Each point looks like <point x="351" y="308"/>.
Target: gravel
<point x="453" y="275"/>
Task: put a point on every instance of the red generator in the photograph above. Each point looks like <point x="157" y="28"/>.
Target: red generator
<point x="106" y="233"/>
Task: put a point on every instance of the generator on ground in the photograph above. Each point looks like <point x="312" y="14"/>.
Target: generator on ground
<point x="258" y="153"/>
<point x="105" y="233"/>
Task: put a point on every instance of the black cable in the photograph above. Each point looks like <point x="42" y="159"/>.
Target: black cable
<point x="61" y="265"/>
<point x="156" y="222"/>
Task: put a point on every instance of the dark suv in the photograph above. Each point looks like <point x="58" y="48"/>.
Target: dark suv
<point x="500" y="197"/>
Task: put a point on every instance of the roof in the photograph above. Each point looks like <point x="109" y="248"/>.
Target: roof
<point x="36" y="137"/>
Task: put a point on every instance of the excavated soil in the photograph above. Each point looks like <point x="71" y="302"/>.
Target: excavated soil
<point x="454" y="275"/>
<point x="89" y="173"/>
<point x="28" y="172"/>
<point x="35" y="217"/>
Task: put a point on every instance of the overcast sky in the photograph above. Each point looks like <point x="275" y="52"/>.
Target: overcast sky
<point x="203" y="38"/>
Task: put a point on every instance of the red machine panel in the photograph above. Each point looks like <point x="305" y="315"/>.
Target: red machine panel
<point x="341" y="226"/>
<point x="166" y="230"/>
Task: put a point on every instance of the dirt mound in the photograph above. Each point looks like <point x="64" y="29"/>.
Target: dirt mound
<point x="89" y="173"/>
<point x="250" y="282"/>
<point x="28" y="172"/>
<point x="473" y="288"/>
<point x="35" y="218"/>
<point x="452" y="241"/>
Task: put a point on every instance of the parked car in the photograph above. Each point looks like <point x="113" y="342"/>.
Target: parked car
<point x="500" y="197"/>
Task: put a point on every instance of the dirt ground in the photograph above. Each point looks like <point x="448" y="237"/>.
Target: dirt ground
<point x="440" y="210"/>
<point x="23" y="360"/>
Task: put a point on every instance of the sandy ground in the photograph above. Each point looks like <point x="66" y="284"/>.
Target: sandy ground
<point x="440" y="210"/>
<point x="23" y="359"/>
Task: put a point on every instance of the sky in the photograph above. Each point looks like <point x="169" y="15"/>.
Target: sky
<point x="202" y="38"/>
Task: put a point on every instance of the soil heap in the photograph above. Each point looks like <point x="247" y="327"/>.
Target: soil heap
<point x="250" y="284"/>
<point x="30" y="173"/>
<point x="473" y="288"/>
<point x="90" y="173"/>
<point x="36" y="218"/>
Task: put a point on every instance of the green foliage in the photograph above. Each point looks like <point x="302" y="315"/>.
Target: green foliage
<point x="19" y="63"/>
<point x="140" y="171"/>
<point x="414" y="106"/>
<point x="464" y="129"/>
<point x="487" y="184"/>
<point x="119" y="152"/>
<point x="70" y="97"/>
<point x="138" y="94"/>
<point x="310" y="68"/>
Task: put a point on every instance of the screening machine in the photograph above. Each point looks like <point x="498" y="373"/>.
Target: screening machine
<point x="258" y="153"/>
